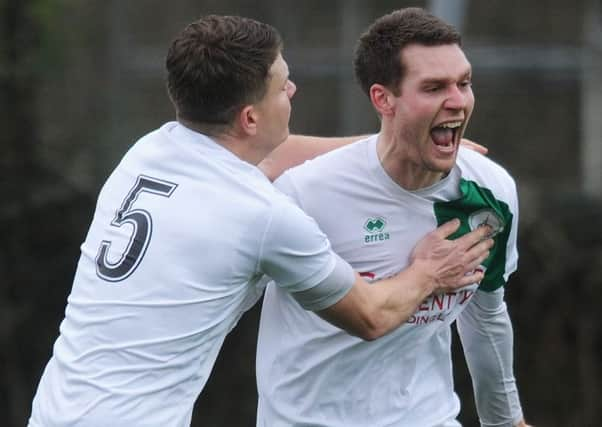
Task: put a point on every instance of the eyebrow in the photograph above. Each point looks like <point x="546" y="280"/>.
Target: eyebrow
<point x="439" y="80"/>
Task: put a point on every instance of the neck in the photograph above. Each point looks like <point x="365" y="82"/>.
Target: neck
<point x="228" y="138"/>
<point x="401" y="162"/>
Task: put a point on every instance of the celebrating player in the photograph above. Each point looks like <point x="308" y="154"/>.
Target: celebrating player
<point x="372" y="198"/>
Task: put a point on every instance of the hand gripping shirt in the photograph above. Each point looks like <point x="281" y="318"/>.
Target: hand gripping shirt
<point x="182" y="234"/>
<point x="311" y="373"/>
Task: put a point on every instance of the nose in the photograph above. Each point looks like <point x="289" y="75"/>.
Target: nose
<point x="458" y="97"/>
<point x="291" y="89"/>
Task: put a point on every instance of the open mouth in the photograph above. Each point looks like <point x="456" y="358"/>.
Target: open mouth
<point x="444" y="135"/>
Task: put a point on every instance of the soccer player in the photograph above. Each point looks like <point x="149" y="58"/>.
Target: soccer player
<point x="372" y="198"/>
<point x="186" y="227"/>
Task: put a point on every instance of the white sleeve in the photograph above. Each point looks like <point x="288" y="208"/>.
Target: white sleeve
<point x="487" y="338"/>
<point x="330" y="291"/>
<point x="298" y="256"/>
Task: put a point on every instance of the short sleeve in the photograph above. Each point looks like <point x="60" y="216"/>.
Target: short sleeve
<point x="294" y="251"/>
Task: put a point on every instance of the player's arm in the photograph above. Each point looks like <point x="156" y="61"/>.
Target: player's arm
<point x="486" y="333"/>
<point x="299" y="148"/>
<point x="487" y="338"/>
<point x="438" y="265"/>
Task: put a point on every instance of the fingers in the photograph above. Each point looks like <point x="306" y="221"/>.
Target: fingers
<point x="474" y="146"/>
<point x="478" y="251"/>
<point x="476" y="256"/>
<point x="475" y="236"/>
<point x="466" y="241"/>
<point x="469" y="272"/>
<point x="458" y="260"/>
<point x="447" y="229"/>
<point x="474" y="276"/>
<point x="472" y="265"/>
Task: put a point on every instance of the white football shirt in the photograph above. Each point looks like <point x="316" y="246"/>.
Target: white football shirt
<point x="312" y="374"/>
<point x="182" y="235"/>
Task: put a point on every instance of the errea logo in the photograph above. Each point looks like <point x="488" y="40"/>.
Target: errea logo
<point x="375" y="228"/>
<point x="374" y="225"/>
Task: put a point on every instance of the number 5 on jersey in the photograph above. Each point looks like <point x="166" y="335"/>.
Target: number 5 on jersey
<point x="142" y="222"/>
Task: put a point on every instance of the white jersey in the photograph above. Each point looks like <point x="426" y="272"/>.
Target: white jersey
<point x="311" y="373"/>
<point x="182" y="234"/>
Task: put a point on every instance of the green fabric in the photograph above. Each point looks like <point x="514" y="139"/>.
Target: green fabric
<point x="480" y="201"/>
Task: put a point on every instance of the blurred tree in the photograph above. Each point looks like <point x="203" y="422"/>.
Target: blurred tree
<point x="17" y="85"/>
<point x="17" y="81"/>
<point x="40" y="216"/>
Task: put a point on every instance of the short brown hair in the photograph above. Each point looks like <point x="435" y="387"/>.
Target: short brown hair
<point x="218" y="64"/>
<point x="378" y="52"/>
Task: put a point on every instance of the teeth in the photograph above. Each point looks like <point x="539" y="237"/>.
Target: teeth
<point x="451" y="125"/>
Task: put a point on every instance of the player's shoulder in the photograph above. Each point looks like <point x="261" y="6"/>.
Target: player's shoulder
<point x="483" y="170"/>
<point x="328" y="166"/>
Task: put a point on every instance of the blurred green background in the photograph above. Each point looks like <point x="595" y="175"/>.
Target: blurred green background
<point x="80" y="81"/>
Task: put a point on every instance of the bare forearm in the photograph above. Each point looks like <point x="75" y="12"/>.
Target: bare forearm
<point x="299" y="148"/>
<point x="382" y="306"/>
<point x="396" y="299"/>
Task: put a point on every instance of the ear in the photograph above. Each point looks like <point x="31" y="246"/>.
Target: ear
<point x="247" y="119"/>
<point x="382" y="99"/>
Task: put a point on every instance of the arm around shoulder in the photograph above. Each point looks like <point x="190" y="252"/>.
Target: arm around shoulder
<point x="298" y="148"/>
